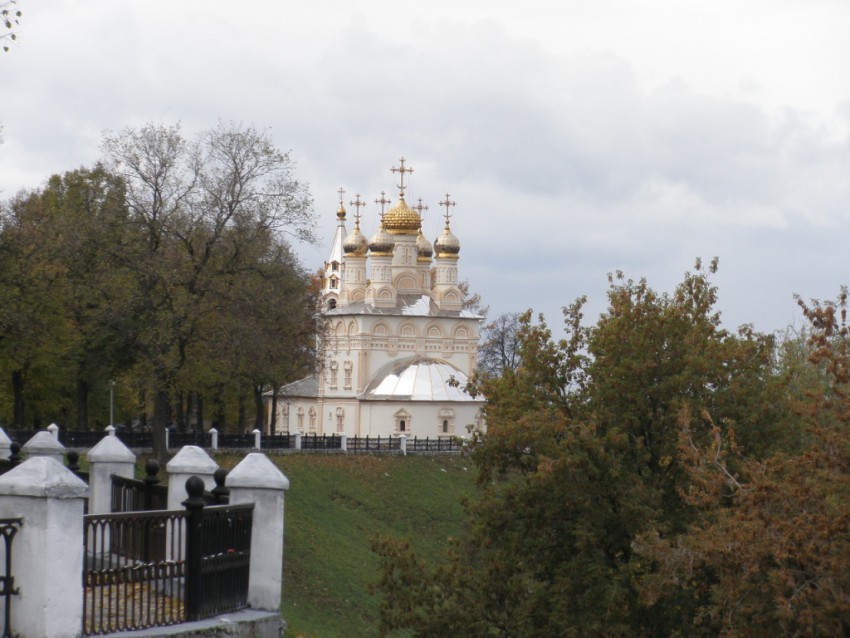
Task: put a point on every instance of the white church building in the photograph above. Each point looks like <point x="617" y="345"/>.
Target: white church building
<point x="398" y="346"/>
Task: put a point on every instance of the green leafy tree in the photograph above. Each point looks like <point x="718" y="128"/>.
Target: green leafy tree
<point x="66" y="322"/>
<point x="34" y="332"/>
<point x="581" y="458"/>
<point x="199" y="207"/>
<point x="769" y="551"/>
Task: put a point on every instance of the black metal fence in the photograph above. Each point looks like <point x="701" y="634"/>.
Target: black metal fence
<point x="372" y="444"/>
<point x="323" y="442"/>
<point x="72" y="438"/>
<point x="8" y="528"/>
<point x="132" y="495"/>
<point x="149" y="569"/>
<point x="134" y="577"/>
<point x="434" y="445"/>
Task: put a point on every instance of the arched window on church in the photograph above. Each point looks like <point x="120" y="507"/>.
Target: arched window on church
<point x="312" y="414"/>
<point x="340" y="419"/>
<point x="300" y="414"/>
<point x="348" y="366"/>
<point x="334" y="369"/>
<point x="283" y="425"/>
<point x="402" y="422"/>
<point x="446" y="425"/>
<point x="331" y="304"/>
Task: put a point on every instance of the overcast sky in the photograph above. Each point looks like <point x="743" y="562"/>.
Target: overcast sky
<point x="577" y="137"/>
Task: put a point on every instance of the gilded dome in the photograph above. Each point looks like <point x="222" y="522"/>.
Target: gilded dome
<point x="447" y="244"/>
<point x="355" y="244"/>
<point x="401" y="218"/>
<point x="424" y="250"/>
<point x="382" y="243"/>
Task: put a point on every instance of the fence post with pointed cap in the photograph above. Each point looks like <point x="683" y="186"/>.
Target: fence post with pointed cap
<point x="257" y="480"/>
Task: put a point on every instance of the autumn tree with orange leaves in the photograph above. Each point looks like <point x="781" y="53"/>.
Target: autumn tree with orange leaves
<point x="611" y="454"/>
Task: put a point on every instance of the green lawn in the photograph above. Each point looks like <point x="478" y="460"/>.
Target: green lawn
<point x="335" y="506"/>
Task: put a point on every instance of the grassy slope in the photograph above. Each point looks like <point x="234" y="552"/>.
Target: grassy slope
<point x="335" y="506"/>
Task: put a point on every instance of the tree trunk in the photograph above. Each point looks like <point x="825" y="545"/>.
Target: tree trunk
<point x="219" y="409"/>
<point x="200" y="410"/>
<point x="83" y="405"/>
<point x="18" y="390"/>
<point x="273" y="422"/>
<point x="259" y="420"/>
<point x="161" y="416"/>
<point x="181" y="415"/>
<point x="241" y="411"/>
<point x="190" y="408"/>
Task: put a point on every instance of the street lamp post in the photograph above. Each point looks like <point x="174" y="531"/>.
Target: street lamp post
<point x="111" y="402"/>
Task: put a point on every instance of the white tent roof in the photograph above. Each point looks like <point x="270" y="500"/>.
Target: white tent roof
<point x="418" y="379"/>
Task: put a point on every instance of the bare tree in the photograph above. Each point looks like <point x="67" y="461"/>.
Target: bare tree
<point x="499" y="349"/>
<point x="10" y="18"/>
<point x="201" y="209"/>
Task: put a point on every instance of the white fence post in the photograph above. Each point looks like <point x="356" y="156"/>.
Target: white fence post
<point x="402" y="443"/>
<point x="47" y="557"/>
<point x="44" y="444"/>
<point x="343" y="442"/>
<point x="214" y="438"/>
<point x="5" y="444"/>
<point x="257" y="480"/>
<point x="190" y="460"/>
<point x="298" y="440"/>
<point x="110" y="456"/>
<point x="257" y="438"/>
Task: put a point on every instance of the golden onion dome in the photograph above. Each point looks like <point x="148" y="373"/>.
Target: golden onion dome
<point x="340" y="212"/>
<point x="401" y="219"/>
<point x="424" y="250"/>
<point x="382" y="243"/>
<point x="447" y="245"/>
<point x="355" y="244"/>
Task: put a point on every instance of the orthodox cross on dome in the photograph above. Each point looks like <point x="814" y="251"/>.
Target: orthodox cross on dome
<point x="448" y="204"/>
<point x="420" y="207"/>
<point x="383" y="202"/>
<point x="340" y="212"/>
<point x="358" y="204"/>
<point x="402" y="170"/>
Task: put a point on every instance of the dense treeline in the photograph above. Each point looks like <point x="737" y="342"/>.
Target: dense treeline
<point x="163" y="269"/>
<point x="651" y="475"/>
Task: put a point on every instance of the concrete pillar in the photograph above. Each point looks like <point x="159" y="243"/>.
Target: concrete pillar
<point x="47" y="554"/>
<point x="5" y="444"/>
<point x="110" y="456"/>
<point x="343" y="442"/>
<point x="189" y="461"/>
<point x="44" y="444"/>
<point x="214" y="438"/>
<point x="257" y="480"/>
<point x="257" y="439"/>
<point x="298" y="436"/>
<point x="402" y="443"/>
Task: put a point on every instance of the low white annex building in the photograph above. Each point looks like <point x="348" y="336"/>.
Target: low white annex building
<point x="398" y="345"/>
